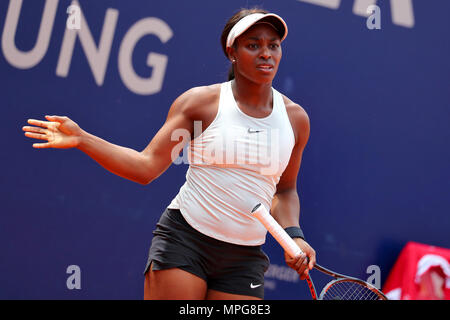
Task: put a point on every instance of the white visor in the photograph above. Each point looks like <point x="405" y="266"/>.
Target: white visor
<point x="245" y="23"/>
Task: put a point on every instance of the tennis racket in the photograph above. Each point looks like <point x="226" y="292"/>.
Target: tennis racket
<point x="341" y="288"/>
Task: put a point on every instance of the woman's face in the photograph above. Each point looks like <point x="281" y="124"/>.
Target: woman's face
<point x="257" y="54"/>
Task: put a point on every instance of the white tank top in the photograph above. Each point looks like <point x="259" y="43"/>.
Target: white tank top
<point x="235" y="164"/>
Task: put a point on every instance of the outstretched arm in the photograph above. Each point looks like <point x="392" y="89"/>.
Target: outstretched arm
<point x="142" y="167"/>
<point x="64" y="133"/>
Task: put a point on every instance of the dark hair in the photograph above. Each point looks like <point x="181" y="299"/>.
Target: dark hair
<point x="229" y="25"/>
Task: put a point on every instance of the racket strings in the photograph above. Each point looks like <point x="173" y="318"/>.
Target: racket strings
<point x="347" y="290"/>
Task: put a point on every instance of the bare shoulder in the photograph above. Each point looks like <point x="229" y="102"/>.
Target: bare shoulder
<point x="295" y="110"/>
<point x="202" y="94"/>
<point x="299" y="119"/>
<point x="198" y="102"/>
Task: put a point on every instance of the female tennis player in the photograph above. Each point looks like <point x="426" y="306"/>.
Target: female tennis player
<point x="248" y="150"/>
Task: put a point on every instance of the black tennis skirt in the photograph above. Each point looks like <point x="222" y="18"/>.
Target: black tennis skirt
<point x="226" y="267"/>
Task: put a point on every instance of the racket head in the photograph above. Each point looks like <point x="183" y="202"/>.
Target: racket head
<point x="350" y="289"/>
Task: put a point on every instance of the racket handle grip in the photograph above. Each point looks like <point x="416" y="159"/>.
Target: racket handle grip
<point x="289" y="245"/>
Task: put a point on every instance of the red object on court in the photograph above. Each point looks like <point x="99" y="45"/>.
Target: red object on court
<point x="421" y="272"/>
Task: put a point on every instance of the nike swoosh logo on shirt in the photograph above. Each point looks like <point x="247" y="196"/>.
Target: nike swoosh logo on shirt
<point x="250" y="130"/>
<point x="253" y="286"/>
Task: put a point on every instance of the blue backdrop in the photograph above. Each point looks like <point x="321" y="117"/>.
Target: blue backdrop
<point x="375" y="173"/>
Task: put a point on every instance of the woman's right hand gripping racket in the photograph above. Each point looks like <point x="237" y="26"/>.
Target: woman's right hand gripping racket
<point x="341" y="288"/>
